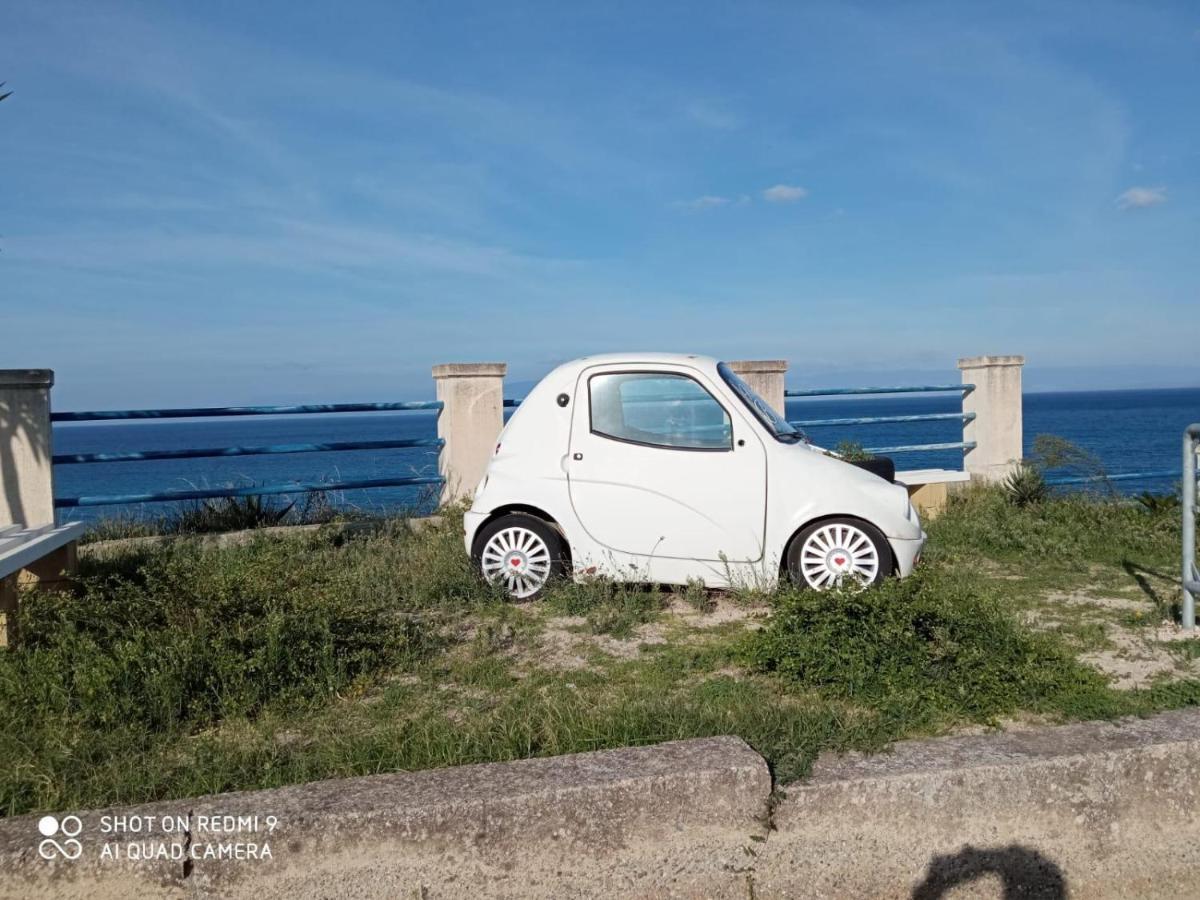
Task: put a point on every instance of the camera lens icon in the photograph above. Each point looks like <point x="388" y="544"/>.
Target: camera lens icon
<point x="69" y="828"/>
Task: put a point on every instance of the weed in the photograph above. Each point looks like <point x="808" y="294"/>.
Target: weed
<point x="852" y="451"/>
<point x="1025" y="485"/>
<point x="930" y="646"/>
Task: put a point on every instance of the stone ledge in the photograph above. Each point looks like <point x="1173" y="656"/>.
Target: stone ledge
<point x="981" y="362"/>
<point x="26" y="378"/>
<point x="741" y="366"/>
<point x="1090" y="810"/>
<point x="649" y="819"/>
<point x="470" y="370"/>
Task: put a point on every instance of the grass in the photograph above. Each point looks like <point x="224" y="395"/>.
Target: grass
<point x="181" y="669"/>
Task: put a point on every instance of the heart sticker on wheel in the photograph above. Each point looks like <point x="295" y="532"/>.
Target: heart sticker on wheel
<point x="514" y="562"/>
<point x="840" y="560"/>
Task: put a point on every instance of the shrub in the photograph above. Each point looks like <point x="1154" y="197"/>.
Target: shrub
<point x="169" y="641"/>
<point x="1025" y="485"/>
<point x="231" y="514"/>
<point x="853" y="451"/>
<point x="926" y="647"/>
<point x="1063" y="529"/>
<point x="1159" y="504"/>
<point x="611" y="607"/>
<point x="1051" y="452"/>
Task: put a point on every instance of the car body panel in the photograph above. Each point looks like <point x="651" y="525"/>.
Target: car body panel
<point x="692" y="504"/>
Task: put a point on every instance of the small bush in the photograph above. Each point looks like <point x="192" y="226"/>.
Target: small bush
<point x="610" y="607"/>
<point x="1053" y="453"/>
<point x="853" y="451"/>
<point x="169" y="641"/>
<point x="1066" y="529"/>
<point x="1159" y="504"/>
<point x="926" y="647"/>
<point x="1025" y="486"/>
<point x="231" y="514"/>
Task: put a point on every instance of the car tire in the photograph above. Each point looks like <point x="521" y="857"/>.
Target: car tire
<point x="829" y="552"/>
<point x="521" y="553"/>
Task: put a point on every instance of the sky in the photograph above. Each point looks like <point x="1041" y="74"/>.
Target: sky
<point x="227" y="203"/>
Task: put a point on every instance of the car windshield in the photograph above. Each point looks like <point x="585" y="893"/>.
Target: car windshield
<point x="763" y="411"/>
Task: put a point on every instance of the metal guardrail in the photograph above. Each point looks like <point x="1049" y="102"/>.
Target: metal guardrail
<point x="1191" y="577"/>
<point x="63" y="459"/>
<point x="294" y="487"/>
<point x="514" y="402"/>
<point x="880" y="420"/>
<point x="913" y="389"/>
<point x="1123" y="476"/>
<point x="883" y="420"/>
<point x="209" y="412"/>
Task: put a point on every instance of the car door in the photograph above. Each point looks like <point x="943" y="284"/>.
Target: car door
<point x="658" y="466"/>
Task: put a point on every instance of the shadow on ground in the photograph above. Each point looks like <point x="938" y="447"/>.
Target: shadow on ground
<point x="1023" y="872"/>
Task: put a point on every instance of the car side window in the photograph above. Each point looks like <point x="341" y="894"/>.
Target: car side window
<point x="659" y="409"/>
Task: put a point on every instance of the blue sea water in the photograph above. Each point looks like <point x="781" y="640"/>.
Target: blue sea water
<point x="1130" y="431"/>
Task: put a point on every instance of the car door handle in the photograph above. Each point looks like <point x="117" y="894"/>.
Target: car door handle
<point x="576" y="456"/>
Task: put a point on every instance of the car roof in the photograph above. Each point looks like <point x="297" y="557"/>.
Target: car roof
<point x="641" y="358"/>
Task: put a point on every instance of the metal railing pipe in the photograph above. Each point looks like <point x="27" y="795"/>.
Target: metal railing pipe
<point x="1191" y="579"/>
<point x="61" y="459"/>
<point x="207" y="412"/>
<point x="915" y="448"/>
<point x="296" y="487"/>
<point x="881" y="420"/>
<point x="1123" y="476"/>
<point x="915" y="389"/>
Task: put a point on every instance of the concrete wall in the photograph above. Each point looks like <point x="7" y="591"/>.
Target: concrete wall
<point x="26" y="476"/>
<point x="674" y="819"/>
<point x="1088" y="810"/>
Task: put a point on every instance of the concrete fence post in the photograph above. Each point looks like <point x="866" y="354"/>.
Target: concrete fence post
<point x="26" y="474"/>
<point x="469" y="423"/>
<point x="996" y="428"/>
<point x="765" y="376"/>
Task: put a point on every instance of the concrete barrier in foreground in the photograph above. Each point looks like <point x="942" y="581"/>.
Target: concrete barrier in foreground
<point x="1089" y="810"/>
<point x="673" y="819"/>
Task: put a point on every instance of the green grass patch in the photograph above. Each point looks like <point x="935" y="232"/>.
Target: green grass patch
<point x="931" y="649"/>
<point x="180" y="669"/>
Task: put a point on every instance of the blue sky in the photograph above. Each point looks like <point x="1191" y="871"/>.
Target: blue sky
<point x="231" y="203"/>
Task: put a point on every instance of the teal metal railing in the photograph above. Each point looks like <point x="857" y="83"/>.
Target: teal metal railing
<point x="291" y="487"/>
<point x="962" y="389"/>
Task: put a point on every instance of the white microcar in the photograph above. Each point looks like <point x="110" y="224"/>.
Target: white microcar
<point x="665" y="468"/>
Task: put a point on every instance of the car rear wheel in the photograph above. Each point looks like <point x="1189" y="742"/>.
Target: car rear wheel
<point x="521" y="553"/>
<point x="838" y="551"/>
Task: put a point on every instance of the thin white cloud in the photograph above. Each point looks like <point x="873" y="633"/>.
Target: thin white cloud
<point x="784" y="193"/>
<point x="1142" y="197"/>
<point x="708" y="201"/>
<point x="711" y="115"/>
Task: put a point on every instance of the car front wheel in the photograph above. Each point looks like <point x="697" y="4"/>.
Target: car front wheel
<point x="837" y="551"/>
<point x="521" y="553"/>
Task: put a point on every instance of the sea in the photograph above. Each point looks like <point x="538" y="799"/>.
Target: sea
<point x="1127" y="431"/>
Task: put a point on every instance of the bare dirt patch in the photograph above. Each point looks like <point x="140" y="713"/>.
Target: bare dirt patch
<point x="1084" y="598"/>
<point x="1135" y="660"/>
<point x="1136" y="654"/>
<point x="722" y="611"/>
<point x="565" y="644"/>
